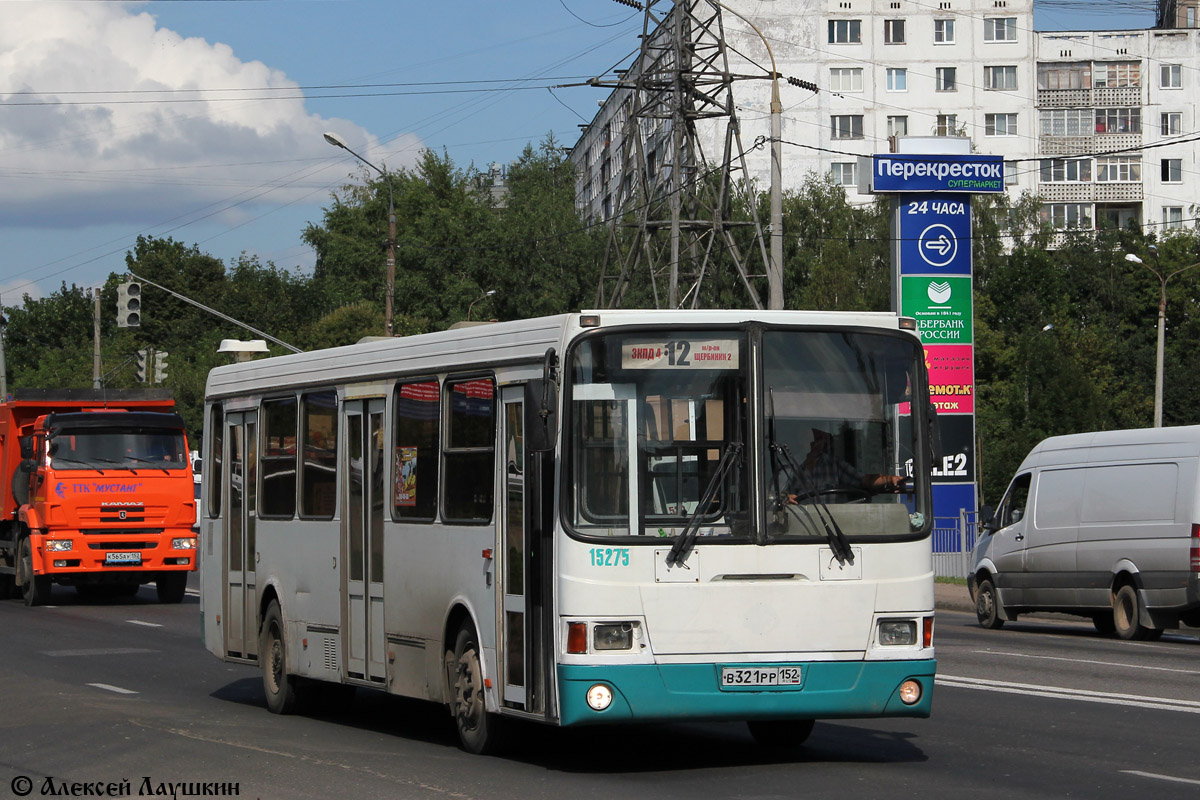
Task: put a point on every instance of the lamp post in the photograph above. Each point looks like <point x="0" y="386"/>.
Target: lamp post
<point x="482" y="296"/>
<point x="3" y="366"/>
<point x="389" y="299"/>
<point x="1162" y="324"/>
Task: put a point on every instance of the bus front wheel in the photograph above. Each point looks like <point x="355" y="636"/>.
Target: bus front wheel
<point x="777" y="733"/>
<point x="279" y="687"/>
<point x="477" y="728"/>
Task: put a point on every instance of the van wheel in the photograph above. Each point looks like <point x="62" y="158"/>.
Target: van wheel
<point x="476" y="727"/>
<point x="279" y="687"/>
<point x="1125" y="615"/>
<point x="986" y="610"/>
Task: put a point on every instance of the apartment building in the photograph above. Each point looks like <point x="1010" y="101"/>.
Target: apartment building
<point x="1101" y="124"/>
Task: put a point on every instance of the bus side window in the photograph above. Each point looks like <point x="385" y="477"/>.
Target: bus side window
<point x="470" y="450"/>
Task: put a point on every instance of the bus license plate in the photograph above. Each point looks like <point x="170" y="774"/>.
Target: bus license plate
<point x="123" y="558"/>
<point x="753" y="677"/>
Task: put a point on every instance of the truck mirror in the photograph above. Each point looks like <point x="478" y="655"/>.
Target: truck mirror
<point x="26" y="446"/>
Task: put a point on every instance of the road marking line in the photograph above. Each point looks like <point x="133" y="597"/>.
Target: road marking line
<point x="108" y="651"/>
<point x="1084" y="695"/>
<point x="192" y="592"/>
<point x="147" y="624"/>
<point x="108" y="688"/>
<point x="1156" y="776"/>
<point x="1085" y="661"/>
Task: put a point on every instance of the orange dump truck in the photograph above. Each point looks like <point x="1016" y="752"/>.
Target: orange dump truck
<point x="95" y="492"/>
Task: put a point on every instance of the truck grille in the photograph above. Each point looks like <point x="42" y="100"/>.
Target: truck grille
<point x="122" y="513"/>
<point x="120" y="531"/>
<point x="122" y="545"/>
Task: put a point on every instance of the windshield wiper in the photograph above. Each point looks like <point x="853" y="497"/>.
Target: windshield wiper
<point x="686" y="540"/>
<point x="76" y="461"/>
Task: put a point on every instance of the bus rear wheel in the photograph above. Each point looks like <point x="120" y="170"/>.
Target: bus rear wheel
<point x="35" y="589"/>
<point x="279" y="687"/>
<point x="477" y="729"/>
<point x="780" y="733"/>
<point x="171" y="586"/>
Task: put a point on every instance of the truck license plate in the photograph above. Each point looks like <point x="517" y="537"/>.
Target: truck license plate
<point x="776" y="675"/>
<point x="123" y="558"/>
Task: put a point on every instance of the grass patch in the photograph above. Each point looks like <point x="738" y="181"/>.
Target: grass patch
<point x="955" y="581"/>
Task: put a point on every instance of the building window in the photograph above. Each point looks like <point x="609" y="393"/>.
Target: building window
<point x="1000" y="124"/>
<point x="1062" y="216"/>
<point x="897" y="80"/>
<point x="946" y="79"/>
<point x="1060" y="122"/>
<point x="1172" y="170"/>
<point x="846" y="126"/>
<point x="947" y="125"/>
<point x="943" y="31"/>
<point x="845" y="31"/>
<point x="469" y="450"/>
<point x="1173" y="217"/>
<point x="1171" y="76"/>
<point x="844" y="173"/>
<point x="897" y="126"/>
<point x="1118" y="120"/>
<point x="1065" y="170"/>
<point x="1010" y="173"/>
<point x="1172" y="123"/>
<point x="846" y="79"/>
<point x="893" y="31"/>
<point x="1064" y="76"/>
<point x="1000" y="78"/>
<point x="415" y="448"/>
<point x="1118" y="169"/>
<point x="1000" y="29"/>
<point x="1117" y="75"/>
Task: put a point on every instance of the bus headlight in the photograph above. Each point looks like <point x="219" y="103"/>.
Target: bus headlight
<point x="893" y="632"/>
<point x="614" y="636"/>
<point x="910" y="692"/>
<point x="58" y="545"/>
<point x="187" y="543"/>
<point x="599" y="697"/>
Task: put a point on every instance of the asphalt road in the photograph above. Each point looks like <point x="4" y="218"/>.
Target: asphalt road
<point x="121" y="693"/>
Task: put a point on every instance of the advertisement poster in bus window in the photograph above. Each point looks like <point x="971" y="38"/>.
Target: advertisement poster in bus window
<point x="406" y="477"/>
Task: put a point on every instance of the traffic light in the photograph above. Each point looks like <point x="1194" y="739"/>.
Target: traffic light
<point x="142" y="356"/>
<point x="129" y="305"/>
<point x="160" y="366"/>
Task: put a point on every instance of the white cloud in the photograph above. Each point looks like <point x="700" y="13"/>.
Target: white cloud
<point x="103" y="155"/>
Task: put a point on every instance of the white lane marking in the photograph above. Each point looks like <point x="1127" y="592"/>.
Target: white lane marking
<point x="106" y="651"/>
<point x="1108" y="698"/>
<point x="147" y="624"/>
<point x="109" y="688"/>
<point x="1156" y="776"/>
<point x="1085" y="661"/>
<point x="192" y="592"/>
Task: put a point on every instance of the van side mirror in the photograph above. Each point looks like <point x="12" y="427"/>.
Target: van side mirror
<point x="987" y="519"/>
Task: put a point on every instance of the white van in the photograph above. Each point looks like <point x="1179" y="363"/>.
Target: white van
<point x="1104" y="525"/>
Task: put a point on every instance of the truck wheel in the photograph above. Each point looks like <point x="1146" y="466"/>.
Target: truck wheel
<point x="780" y="733"/>
<point x="1125" y="615"/>
<point x="280" y="688"/>
<point x="34" y="588"/>
<point x="171" y="586"/>
<point x="986" y="610"/>
<point x="477" y="728"/>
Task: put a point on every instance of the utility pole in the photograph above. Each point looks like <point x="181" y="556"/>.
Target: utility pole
<point x="96" y="339"/>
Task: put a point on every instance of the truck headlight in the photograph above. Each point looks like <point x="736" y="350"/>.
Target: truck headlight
<point x="187" y="543"/>
<point x="897" y="632"/>
<point x="58" y="545"/>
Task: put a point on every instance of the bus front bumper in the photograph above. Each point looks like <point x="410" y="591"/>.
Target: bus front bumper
<point x="664" y="692"/>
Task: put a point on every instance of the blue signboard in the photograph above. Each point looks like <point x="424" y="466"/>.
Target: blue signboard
<point x="972" y="174"/>
<point x="935" y="235"/>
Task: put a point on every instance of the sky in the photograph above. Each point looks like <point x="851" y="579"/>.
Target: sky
<point x="202" y="120"/>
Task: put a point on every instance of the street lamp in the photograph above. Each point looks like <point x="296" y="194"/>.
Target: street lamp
<point x="389" y="300"/>
<point x="486" y="294"/>
<point x="1162" y="321"/>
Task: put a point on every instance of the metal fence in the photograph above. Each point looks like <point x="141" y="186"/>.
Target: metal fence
<point x="953" y="538"/>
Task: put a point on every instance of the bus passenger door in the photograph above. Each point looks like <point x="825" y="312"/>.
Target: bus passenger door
<point x="362" y="555"/>
<point x="523" y="552"/>
<point x="241" y="487"/>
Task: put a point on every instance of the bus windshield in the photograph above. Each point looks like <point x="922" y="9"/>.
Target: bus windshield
<point x="118" y="448"/>
<point x="652" y="413"/>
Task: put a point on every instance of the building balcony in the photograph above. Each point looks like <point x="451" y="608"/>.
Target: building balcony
<point x="1089" y="192"/>
<point x="1104" y="97"/>
<point x="1078" y="145"/>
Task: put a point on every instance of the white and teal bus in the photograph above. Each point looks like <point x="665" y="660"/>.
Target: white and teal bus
<point x="596" y="518"/>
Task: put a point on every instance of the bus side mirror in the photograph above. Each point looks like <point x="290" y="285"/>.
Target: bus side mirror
<point x="935" y="435"/>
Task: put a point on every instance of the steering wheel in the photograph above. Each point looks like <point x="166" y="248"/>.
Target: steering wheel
<point x="856" y="494"/>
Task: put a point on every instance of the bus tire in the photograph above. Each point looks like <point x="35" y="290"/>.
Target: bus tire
<point x="987" y="610"/>
<point x="278" y="685"/>
<point x="477" y="728"/>
<point x="1126" y="616"/>
<point x="171" y="586"/>
<point x="780" y="733"/>
<point x="35" y="589"/>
